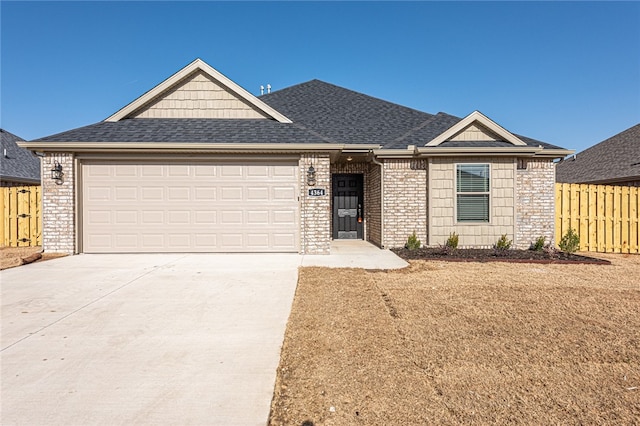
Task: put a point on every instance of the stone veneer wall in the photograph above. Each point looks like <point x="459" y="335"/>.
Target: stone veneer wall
<point x="535" y="202"/>
<point x="371" y="193"/>
<point x="58" y="205"/>
<point x="405" y="201"/>
<point x="315" y="212"/>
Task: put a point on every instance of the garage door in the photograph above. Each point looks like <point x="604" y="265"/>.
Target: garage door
<point x="182" y="207"/>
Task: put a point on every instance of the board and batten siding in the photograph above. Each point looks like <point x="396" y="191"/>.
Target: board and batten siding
<point x="198" y="97"/>
<point x="442" y="203"/>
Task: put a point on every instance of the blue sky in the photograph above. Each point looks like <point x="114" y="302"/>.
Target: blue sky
<point x="566" y="73"/>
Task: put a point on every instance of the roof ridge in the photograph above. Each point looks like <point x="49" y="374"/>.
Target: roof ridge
<point x="415" y="129"/>
<point x="315" y="80"/>
<point x="313" y="132"/>
<point x="423" y="125"/>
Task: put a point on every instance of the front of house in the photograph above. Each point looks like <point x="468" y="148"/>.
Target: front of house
<point x="198" y="164"/>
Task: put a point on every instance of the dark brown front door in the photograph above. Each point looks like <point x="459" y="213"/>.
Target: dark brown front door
<point x="347" y="207"/>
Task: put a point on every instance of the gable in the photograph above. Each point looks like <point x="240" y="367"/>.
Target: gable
<point x="476" y="127"/>
<point x="475" y="132"/>
<point x="198" y="91"/>
<point x="197" y="96"/>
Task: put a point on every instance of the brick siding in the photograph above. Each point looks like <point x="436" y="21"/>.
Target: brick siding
<point x="535" y="202"/>
<point x="405" y="201"/>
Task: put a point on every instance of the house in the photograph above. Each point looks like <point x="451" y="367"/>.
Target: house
<point x="198" y="164"/>
<point x="614" y="161"/>
<point x="18" y="166"/>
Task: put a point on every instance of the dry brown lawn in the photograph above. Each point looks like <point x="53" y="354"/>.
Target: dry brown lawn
<point x="11" y="257"/>
<point x="463" y="343"/>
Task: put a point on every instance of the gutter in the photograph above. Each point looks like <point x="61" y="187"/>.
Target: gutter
<point x="466" y="151"/>
<point x="176" y="146"/>
<point x="528" y="151"/>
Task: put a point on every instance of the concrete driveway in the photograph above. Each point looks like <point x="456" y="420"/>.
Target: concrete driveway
<point x="144" y="339"/>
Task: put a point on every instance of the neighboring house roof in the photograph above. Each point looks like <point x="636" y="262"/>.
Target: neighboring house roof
<point x="616" y="159"/>
<point x="201" y="106"/>
<point x="17" y="164"/>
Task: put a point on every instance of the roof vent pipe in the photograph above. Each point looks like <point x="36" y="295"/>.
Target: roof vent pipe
<point x="261" y="89"/>
<point x="5" y="153"/>
<point x="268" y="88"/>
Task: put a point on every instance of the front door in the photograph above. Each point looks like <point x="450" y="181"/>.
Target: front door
<point x="347" y="207"/>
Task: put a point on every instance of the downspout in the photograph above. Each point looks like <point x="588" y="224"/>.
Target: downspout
<point x="374" y="161"/>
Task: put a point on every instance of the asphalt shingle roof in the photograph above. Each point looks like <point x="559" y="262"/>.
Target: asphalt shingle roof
<point x="321" y="113"/>
<point x="616" y="158"/>
<point x="19" y="164"/>
<point x="343" y="115"/>
<point x="351" y="117"/>
<point x="190" y="130"/>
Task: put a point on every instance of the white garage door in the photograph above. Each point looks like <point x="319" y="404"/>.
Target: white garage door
<point x="183" y="207"/>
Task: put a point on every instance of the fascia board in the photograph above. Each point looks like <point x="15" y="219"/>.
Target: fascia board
<point x="556" y="153"/>
<point x="495" y="151"/>
<point x="482" y="119"/>
<point x="394" y="153"/>
<point x="355" y="148"/>
<point x="198" y="64"/>
<point x="167" y="146"/>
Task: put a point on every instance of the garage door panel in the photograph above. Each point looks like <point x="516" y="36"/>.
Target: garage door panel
<point x="152" y="170"/>
<point x="152" y="217"/>
<point x="126" y="171"/>
<point x="284" y="193"/>
<point x="201" y="207"/>
<point x="124" y="217"/>
<point x="206" y="193"/>
<point x="206" y="217"/>
<point x="149" y="193"/>
<point x="176" y="171"/>
<point x="128" y="240"/>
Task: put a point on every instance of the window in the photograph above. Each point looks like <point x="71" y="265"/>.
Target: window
<point x="472" y="192"/>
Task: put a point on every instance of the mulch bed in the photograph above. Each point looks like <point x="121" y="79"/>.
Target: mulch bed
<point x="490" y="255"/>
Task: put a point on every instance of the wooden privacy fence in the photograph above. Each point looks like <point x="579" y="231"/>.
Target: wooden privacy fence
<point x="605" y="217"/>
<point x="22" y="216"/>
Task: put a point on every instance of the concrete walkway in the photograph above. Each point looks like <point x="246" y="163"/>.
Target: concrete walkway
<point x="355" y="254"/>
<point x="189" y="339"/>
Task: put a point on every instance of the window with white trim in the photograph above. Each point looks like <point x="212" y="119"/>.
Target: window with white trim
<point x="472" y="192"/>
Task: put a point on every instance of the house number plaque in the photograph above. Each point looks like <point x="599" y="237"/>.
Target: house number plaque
<point x="317" y="192"/>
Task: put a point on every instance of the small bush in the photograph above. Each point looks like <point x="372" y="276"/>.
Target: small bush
<point x="413" y="243"/>
<point x="503" y="244"/>
<point x="570" y="242"/>
<point x="538" y="245"/>
<point x="452" y="241"/>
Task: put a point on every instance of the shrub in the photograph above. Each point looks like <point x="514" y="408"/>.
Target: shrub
<point x="452" y="241"/>
<point x="503" y="244"/>
<point x="413" y="243"/>
<point x="451" y="245"/>
<point x="570" y="242"/>
<point x="538" y="245"/>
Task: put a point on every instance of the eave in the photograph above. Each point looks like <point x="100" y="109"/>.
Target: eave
<point x="45" y="146"/>
<point x="515" y="151"/>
